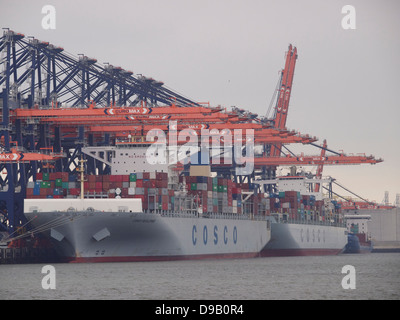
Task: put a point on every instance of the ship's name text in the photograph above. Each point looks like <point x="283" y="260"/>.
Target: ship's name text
<point x="205" y="236"/>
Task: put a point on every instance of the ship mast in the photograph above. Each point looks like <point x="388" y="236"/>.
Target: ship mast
<point x="82" y="170"/>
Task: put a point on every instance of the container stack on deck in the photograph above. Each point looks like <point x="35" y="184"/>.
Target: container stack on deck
<point x="214" y="195"/>
<point x="303" y="207"/>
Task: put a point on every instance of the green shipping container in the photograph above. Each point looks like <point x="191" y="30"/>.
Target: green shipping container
<point x="46" y="176"/>
<point x="215" y="187"/>
<point x="132" y="177"/>
<point x="65" y="185"/>
<point x="44" y="184"/>
<point x="220" y="188"/>
<point x="281" y="194"/>
<point x="193" y="186"/>
<point x="58" y="182"/>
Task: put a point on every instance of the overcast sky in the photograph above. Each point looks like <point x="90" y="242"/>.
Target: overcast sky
<point x="230" y="52"/>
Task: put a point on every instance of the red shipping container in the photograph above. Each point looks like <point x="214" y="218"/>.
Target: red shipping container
<point x="64" y="176"/>
<point x="106" y="185"/>
<point x="29" y="191"/>
<point x="165" y="199"/>
<point x="146" y="175"/>
<point x="139" y="183"/>
<point x="165" y="206"/>
<point x="74" y="191"/>
<point x="162" y="184"/>
<point x="91" y="178"/>
<point x="39" y="176"/>
<point x="146" y="184"/>
<point x="106" y="178"/>
<point x="161" y="175"/>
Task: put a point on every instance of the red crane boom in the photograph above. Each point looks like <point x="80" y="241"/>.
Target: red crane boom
<point x="282" y="104"/>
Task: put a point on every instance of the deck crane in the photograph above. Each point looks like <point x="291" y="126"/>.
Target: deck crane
<point x="282" y="104"/>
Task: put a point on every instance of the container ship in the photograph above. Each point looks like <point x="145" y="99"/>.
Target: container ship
<point x="149" y="214"/>
<point x="304" y="222"/>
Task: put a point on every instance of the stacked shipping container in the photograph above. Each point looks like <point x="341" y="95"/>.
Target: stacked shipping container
<point x="299" y="206"/>
<point x="217" y="195"/>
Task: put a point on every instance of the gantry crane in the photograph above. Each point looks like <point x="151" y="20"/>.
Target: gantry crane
<point x="54" y="100"/>
<point x="282" y="104"/>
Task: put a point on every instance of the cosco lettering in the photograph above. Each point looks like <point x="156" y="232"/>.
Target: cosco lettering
<point x="227" y="235"/>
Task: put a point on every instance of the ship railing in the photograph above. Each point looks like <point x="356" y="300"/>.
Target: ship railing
<point x="207" y="215"/>
<point x="326" y="222"/>
<point x="309" y="220"/>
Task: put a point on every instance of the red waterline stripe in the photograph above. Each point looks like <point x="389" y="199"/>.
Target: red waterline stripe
<point x="163" y="258"/>
<point x="299" y="252"/>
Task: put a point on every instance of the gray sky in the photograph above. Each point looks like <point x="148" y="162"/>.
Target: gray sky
<point x="229" y="52"/>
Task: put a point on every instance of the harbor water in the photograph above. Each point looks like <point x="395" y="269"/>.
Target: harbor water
<point x="377" y="277"/>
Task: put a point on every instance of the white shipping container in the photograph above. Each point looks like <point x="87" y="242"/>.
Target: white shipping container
<point x="131" y="191"/>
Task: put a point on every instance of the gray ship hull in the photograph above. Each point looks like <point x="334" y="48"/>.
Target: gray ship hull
<point x="85" y="236"/>
<point x="292" y="239"/>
